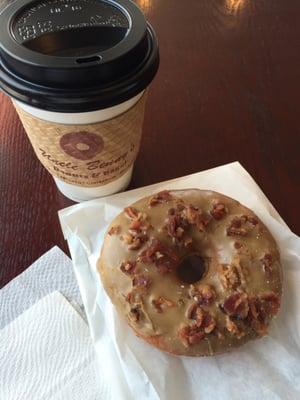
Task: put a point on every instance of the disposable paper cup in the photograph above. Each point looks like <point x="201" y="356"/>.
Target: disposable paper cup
<point x="77" y="73"/>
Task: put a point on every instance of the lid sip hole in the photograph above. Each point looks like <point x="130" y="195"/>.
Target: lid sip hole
<point x="85" y="60"/>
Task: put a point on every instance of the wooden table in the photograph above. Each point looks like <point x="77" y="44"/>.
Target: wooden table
<point x="227" y="89"/>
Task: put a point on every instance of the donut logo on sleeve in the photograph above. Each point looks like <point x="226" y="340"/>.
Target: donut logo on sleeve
<point x="81" y="145"/>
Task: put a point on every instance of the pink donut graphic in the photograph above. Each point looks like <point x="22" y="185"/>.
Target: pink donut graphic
<point x="81" y="145"/>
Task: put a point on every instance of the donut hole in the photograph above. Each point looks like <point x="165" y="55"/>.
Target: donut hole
<point x="191" y="269"/>
<point x="82" y="146"/>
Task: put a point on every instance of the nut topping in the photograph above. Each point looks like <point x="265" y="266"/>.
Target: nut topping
<point x="128" y="267"/>
<point x="135" y="314"/>
<point x="236" y="305"/>
<point x="114" y="230"/>
<point x="131" y="212"/>
<point x="229" y="276"/>
<point x="202" y="294"/>
<point x="160" y="197"/>
<point x="162" y="303"/>
<point x="203" y="319"/>
<point x="234" y="329"/>
<point x="267" y="262"/>
<point x="218" y="210"/>
<point x="141" y="281"/>
<point x="190" y="335"/>
<point x="160" y="255"/>
<point x="241" y="226"/>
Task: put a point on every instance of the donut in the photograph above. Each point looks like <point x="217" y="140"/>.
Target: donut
<point x="194" y="272"/>
<point x="81" y="145"/>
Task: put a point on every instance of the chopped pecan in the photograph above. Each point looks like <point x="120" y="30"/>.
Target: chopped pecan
<point x="203" y="319"/>
<point x="160" y="197"/>
<point x="271" y="302"/>
<point x="181" y="218"/>
<point x="114" y="230"/>
<point x="241" y="226"/>
<point x="202" y="294"/>
<point x="131" y="212"/>
<point x="196" y="313"/>
<point x="141" y="281"/>
<point x="236" y="305"/>
<point x="267" y="262"/>
<point x="190" y="335"/>
<point x="218" y="210"/>
<point x="235" y="228"/>
<point x="229" y="276"/>
<point x="252" y="220"/>
<point x="234" y="329"/>
<point x="135" y="239"/>
<point x="208" y="323"/>
<point x="128" y="267"/>
<point x="160" y="255"/>
<point x="135" y="314"/>
<point x="261" y="309"/>
<point x="196" y="217"/>
<point x="162" y="303"/>
<point x="257" y="316"/>
<point x="238" y="245"/>
<point x="133" y="297"/>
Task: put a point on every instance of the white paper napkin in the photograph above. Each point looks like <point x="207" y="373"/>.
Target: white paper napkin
<point x="265" y="369"/>
<point x="52" y="271"/>
<point x="47" y="353"/>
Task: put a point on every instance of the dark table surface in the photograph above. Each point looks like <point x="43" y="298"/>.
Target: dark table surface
<point x="228" y="89"/>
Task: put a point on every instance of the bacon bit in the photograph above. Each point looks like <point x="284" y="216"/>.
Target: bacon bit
<point x="141" y="281"/>
<point x="190" y="335"/>
<point x="131" y="212"/>
<point x="229" y="276"/>
<point x="267" y="262"/>
<point x="114" y="230"/>
<point x="234" y="329"/>
<point x="202" y="294"/>
<point x="160" y="197"/>
<point x="128" y="267"/>
<point x="161" y="256"/>
<point x="237" y="305"/>
<point x="161" y="303"/>
<point x="218" y="211"/>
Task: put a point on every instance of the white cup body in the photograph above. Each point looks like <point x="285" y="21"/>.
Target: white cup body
<point x="80" y="193"/>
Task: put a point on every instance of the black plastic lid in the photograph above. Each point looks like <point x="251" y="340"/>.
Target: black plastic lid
<point x="75" y="55"/>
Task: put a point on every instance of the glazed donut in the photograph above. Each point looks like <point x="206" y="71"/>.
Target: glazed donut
<point x="81" y="145"/>
<point x="194" y="272"/>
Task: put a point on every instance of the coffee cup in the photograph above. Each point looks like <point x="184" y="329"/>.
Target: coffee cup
<point x="78" y="72"/>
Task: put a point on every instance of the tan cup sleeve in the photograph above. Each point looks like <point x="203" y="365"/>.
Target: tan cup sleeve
<point x="87" y="155"/>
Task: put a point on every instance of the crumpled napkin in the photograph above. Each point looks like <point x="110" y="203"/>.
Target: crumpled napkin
<point x="46" y="353"/>
<point x="268" y="368"/>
